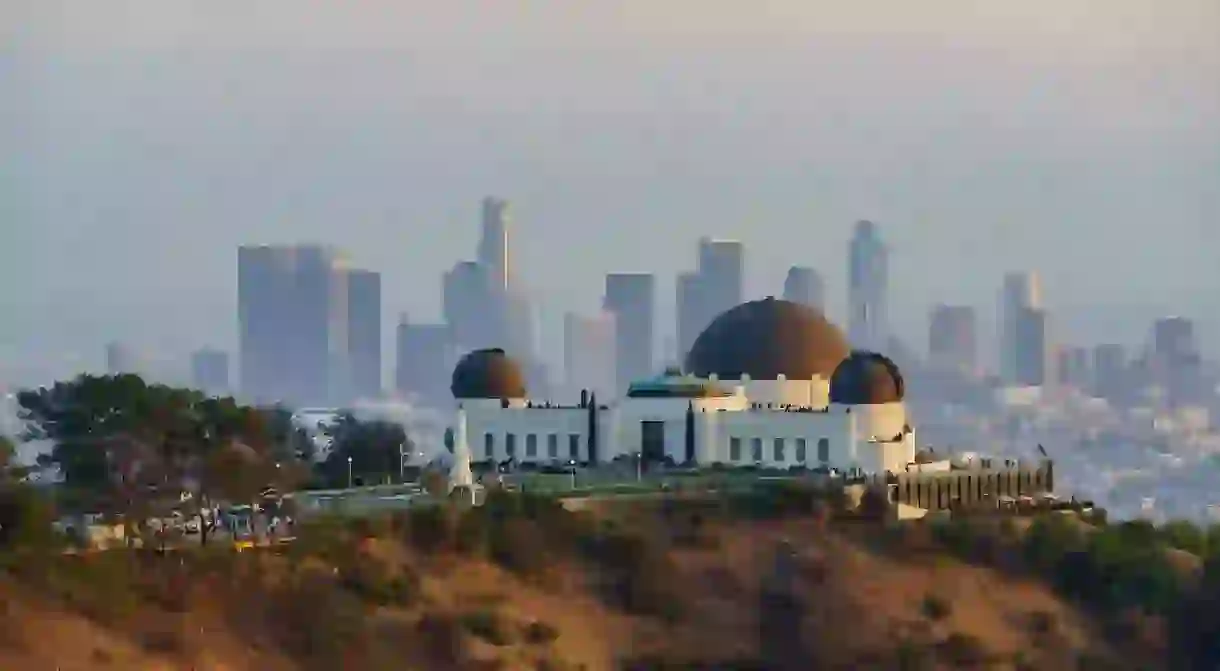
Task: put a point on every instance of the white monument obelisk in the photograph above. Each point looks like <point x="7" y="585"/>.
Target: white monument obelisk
<point x="460" y="474"/>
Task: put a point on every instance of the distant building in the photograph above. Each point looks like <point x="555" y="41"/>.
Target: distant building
<point x="1074" y="367"/>
<point x="631" y="297"/>
<point x="867" y="288"/>
<point x="716" y="285"/>
<point x="1032" y="355"/>
<point x="1110" y="368"/>
<point x="474" y="317"/>
<point x="120" y="359"/>
<point x="425" y="356"/>
<point x="588" y="354"/>
<point x="1173" y="338"/>
<point x="952" y="339"/>
<point x="210" y="371"/>
<point x="293" y="324"/>
<point x="1175" y="363"/>
<point x="1021" y="291"/>
<point x="494" y="251"/>
<point x="769" y="383"/>
<point x="690" y="310"/>
<point x="364" y="332"/>
<point x="804" y="285"/>
<point x="722" y="266"/>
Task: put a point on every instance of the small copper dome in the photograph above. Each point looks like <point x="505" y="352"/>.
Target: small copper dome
<point x="766" y="339"/>
<point x="487" y="373"/>
<point x="867" y="378"/>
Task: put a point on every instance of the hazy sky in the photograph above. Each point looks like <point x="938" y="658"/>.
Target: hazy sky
<point x="141" y="141"/>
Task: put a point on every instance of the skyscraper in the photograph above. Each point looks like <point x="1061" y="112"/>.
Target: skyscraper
<point x="1173" y="338"/>
<point x="210" y="371"/>
<point x="1175" y="363"/>
<point x="1031" y="348"/>
<point x="632" y="299"/>
<point x="804" y="285"/>
<point x="1021" y="291"/>
<point x="588" y="353"/>
<point x="425" y="357"/>
<point x="494" y="253"/>
<point x="952" y="341"/>
<point x="364" y="331"/>
<point x="715" y="286"/>
<point x="722" y="267"/>
<point x="293" y="319"/>
<point x="868" y="277"/>
<point x="1074" y="367"/>
<point x="691" y="312"/>
<point x="1109" y="371"/>
<point x="474" y="316"/>
<point x="120" y="360"/>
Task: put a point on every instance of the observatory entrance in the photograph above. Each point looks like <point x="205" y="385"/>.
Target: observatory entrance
<point x="652" y="443"/>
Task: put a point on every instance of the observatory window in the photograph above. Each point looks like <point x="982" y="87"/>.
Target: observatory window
<point x="734" y="449"/>
<point x="756" y="449"/>
<point x="510" y="444"/>
<point x="531" y="445"/>
<point x="552" y="446"/>
<point x="800" y="450"/>
<point x="779" y="449"/>
<point x="574" y="446"/>
<point x="489" y="446"/>
<point x="823" y="450"/>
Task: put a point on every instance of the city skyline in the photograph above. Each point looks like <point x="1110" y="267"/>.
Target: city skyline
<point x="720" y="265"/>
<point x="140" y="155"/>
<point x="480" y="304"/>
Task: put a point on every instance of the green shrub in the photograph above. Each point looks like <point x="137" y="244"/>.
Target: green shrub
<point x="913" y="656"/>
<point x="1042" y="623"/>
<point x="443" y="638"/>
<point x="935" y="608"/>
<point x="488" y="625"/>
<point x="540" y="633"/>
<point x="375" y="583"/>
<point x="520" y="546"/>
<point x="639" y="575"/>
<point x="313" y="620"/>
<point x="1183" y="535"/>
<point x="962" y="650"/>
<point x="26" y="517"/>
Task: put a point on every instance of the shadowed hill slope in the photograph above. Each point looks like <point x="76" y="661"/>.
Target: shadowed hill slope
<point x="522" y="584"/>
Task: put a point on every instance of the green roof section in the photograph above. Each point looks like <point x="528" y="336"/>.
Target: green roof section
<point x="673" y="384"/>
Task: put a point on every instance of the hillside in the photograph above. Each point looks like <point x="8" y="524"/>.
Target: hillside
<point x="540" y="588"/>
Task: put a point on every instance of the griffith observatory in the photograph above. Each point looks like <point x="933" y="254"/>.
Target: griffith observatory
<point x="769" y="383"/>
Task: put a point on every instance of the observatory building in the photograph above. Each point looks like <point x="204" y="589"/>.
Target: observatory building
<point x="768" y="383"/>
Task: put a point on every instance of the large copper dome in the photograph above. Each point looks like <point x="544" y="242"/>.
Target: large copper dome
<point x="867" y="378"/>
<point x="487" y="373"/>
<point x="766" y="339"/>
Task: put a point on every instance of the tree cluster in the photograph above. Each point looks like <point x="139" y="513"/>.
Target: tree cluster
<point x="124" y="446"/>
<point x="370" y="451"/>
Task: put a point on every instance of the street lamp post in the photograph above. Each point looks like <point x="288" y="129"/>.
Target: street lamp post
<point x="639" y="466"/>
<point x="349" y="472"/>
<point x="572" y="464"/>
